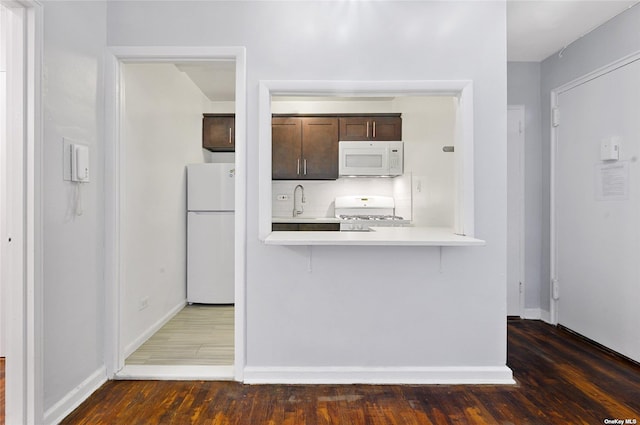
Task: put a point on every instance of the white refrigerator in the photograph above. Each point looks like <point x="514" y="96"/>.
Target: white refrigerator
<point x="210" y="233"/>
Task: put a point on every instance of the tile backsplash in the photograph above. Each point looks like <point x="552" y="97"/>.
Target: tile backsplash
<point x="403" y="196"/>
<point x="320" y="195"/>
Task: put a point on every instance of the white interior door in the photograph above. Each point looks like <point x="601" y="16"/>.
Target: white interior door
<point x="597" y="210"/>
<point x="515" y="210"/>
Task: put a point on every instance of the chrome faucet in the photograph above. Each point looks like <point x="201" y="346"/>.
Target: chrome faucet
<point x="297" y="211"/>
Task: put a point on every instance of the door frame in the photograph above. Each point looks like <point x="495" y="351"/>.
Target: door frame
<point x="114" y="96"/>
<point x="521" y="204"/>
<point x="554" y="304"/>
<point x="21" y="258"/>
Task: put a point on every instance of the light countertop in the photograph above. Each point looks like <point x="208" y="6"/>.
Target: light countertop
<point x="411" y="236"/>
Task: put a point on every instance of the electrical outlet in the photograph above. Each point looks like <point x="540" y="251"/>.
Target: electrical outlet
<point x="144" y="303"/>
<point x="283" y="197"/>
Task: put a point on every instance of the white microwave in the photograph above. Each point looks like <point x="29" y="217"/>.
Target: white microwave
<point x="383" y="159"/>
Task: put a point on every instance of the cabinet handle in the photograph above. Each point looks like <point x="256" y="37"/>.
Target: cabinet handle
<point x="229" y="135"/>
<point x="367" y="129"/>
<point x="298" y="168"/>
<point x="305" y="167"/>
<point x="374" y="129"/>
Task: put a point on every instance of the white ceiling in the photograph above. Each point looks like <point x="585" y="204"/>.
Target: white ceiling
<point x="535" y="30"/>
<point x="538" y="29"/>
<point x="216" y="79"/>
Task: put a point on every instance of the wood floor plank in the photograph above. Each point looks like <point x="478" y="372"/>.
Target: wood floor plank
<point x="2" y="363"/>
<point x="197" y="335"/>
<point x="561" y="379"/>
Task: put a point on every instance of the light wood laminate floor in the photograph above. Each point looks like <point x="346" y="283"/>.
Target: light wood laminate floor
<point x="197" y="335"/>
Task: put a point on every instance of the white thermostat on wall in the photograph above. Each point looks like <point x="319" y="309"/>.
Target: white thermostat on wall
<point x="610" y="149"/>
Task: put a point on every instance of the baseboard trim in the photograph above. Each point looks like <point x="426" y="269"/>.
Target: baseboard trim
<point x="56" y="413"/>
<point x="176" y="373"/>
<point x="379" y="375"/>
<point x="545" y="316"/>
<point x="536" y="314"/>
<point x="132" y="347"/>
<point x="599" y="346"/>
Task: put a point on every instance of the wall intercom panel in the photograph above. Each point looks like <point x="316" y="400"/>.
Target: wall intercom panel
<point x="76" y="162"/>
<point x="79" y="163"/>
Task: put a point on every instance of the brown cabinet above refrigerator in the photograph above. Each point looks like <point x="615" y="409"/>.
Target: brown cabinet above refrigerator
<point x="218" y="132"/>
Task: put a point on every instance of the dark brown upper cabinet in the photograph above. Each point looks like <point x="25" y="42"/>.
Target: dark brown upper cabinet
<point x="371" y="127"/>
<point x="286" y="148"/>
<point x="218" y="132"/>
<point x="304" y="148"/>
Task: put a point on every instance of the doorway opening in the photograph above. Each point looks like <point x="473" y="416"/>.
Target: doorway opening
<point x="158" y="110"/>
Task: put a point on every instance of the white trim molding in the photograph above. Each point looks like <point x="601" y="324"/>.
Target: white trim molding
<point x="21" y="259"/>
<point x="115" y="57"/>
<point x="521" y="205"/>
<point x="536" y="314"/>
<point x="179" y="372"/>
<point x="56" y="413"/>
<point x="462" y="89"/>
<point x="449" y="375"/>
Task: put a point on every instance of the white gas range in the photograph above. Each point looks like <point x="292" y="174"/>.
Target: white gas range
<point x="358" y="213"/>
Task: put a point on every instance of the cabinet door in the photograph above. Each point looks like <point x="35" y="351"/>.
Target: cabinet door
<point x="286" y="148"/>
<point x="355" y="128"/>
<point x="285" y="227"/>
<point x="319" y="227"/>
<point x="320" y="148"/>
<point x="371" y="128"/>
<point x="386" y="128"/>
<point x="306" y="227"/>
<point x="218" y="133"/>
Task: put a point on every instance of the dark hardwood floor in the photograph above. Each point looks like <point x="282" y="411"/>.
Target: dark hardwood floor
<point x="1" y="390"/>
<point x="561" y="379"/>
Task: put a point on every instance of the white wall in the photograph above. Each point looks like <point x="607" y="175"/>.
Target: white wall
<point x="73" y="257"/>
<point x="523" y="88"/>
<point x="162" y="132"/>
<point x="611" y="41"/>
<point x="428" y="123"/>
<point x="359" y="306"/>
